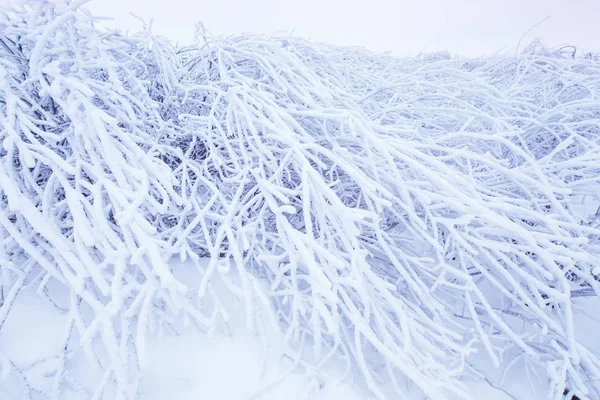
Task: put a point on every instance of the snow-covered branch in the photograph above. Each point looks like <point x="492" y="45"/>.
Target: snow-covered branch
<point x="404" y="212"/>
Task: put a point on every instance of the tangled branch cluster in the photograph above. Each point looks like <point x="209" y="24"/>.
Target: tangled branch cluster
<point x="405" y="212"/>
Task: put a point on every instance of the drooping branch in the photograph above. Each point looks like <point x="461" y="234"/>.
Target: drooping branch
<point x="403" y="211"/>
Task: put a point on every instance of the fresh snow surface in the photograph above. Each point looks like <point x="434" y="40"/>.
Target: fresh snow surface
<point x="185" y="364"/>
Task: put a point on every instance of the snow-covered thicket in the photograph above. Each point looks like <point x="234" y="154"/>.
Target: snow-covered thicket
<point x="404" y="212"/>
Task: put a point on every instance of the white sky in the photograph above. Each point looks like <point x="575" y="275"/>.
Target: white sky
<point x="472" y="27"/>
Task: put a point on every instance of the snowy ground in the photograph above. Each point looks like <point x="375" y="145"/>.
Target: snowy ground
<point x="182" y="365"/>
<point x="185" y="363"/>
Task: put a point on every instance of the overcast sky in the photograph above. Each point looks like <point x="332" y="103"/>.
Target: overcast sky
<point x="472" y="27"/>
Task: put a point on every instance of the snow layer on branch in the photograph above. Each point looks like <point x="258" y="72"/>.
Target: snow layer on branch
<point x="405" y="212"/>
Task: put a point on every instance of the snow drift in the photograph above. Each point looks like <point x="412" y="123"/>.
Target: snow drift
<point x="403" y="212"/>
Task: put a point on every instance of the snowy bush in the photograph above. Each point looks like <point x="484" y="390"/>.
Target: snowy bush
<point x="403" y="212"/>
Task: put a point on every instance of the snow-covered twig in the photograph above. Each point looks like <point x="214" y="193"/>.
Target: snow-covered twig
<point x="377" y="196"/>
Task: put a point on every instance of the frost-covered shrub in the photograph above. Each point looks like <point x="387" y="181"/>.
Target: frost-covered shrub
<point x="404" y="212"/>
